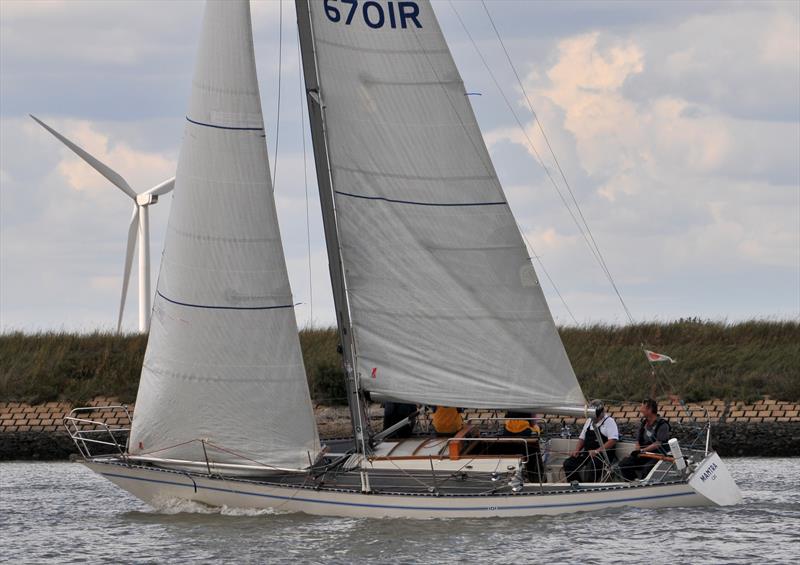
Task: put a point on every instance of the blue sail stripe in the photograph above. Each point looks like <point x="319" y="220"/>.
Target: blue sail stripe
<point x="188" y="305"/>
<point x="188" y="119"/>
<point x="417" y="203"/>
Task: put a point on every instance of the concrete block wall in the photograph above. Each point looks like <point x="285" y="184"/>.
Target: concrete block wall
<point x="47" y="417"/>
<point x="765" y="427"/>
<point x="718" y="411"/>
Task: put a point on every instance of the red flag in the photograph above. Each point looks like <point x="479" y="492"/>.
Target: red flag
<point x="374" y="372"/>
<point x="654" y="357"/>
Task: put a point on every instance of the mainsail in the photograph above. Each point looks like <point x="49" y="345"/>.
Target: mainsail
<point x="444" y="304"/>
<point x="223" y="374"/>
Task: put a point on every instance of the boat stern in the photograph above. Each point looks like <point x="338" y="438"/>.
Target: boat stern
<point x="712" y="480"/>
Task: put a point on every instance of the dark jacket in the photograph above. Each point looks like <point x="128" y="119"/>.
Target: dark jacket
<point x="659" y="432"/>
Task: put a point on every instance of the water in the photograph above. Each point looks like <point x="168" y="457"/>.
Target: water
<point x="62" y="512"/>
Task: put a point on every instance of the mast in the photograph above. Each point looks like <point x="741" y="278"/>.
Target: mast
<point x="316" y="113"/>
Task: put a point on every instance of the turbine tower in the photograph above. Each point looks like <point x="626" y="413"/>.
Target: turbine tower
<point x="139" y="227"/>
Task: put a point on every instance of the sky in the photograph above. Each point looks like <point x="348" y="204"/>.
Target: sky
<point x="677" y="126"/>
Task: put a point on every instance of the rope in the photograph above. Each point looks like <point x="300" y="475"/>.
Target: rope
<point x="231" y="452"/>
<point x="278" y="116"/>
<point x="168" y="447"/>
<point x="305" y="182"/>
<point x="214" y="446"/>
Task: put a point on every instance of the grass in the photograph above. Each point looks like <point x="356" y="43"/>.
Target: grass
<point x="741" y="361"/>
<point x="61" y="366"/>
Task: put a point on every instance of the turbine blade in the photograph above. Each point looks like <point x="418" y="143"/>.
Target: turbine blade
<point x="162" y="188"/>
<point x="113" y="176"/>
<point x="133" y="231"/>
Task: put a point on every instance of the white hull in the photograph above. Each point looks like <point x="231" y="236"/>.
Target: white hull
<point x="155" y="486"/>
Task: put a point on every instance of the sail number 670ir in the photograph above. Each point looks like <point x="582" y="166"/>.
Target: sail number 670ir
<point x="375" y="14"/>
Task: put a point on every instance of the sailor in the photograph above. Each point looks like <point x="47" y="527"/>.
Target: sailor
<point x="653" y="438"/>
<point x="587" y="456"/>
<point x="447" y="420"/>
<point x="520" y="424"/>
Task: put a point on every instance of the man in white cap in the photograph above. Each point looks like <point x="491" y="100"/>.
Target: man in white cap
<point x="599" y="434"/>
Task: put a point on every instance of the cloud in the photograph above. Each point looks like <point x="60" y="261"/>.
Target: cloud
<point x="672" y="182"/>
<point x="743" y="62"/>
<point x="677" y="125"/>
<point x="133" y="165"/>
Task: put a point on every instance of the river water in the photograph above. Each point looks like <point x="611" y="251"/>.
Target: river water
<point x="62" y="512"/>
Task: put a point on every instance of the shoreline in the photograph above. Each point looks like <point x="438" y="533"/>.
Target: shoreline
<point x="765" y="428"/>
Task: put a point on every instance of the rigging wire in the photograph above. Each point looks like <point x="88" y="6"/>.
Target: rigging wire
<point x="489" y="168"/>
<point x="305" y="182"/>
<point x="583" y="226"/>
<point x="518" y="120"/>
<point x="581" y="229"/>
<point x="278" y="115"/>
<point x="536" y="152"/>
<point x="536" y="256"/>
<point x="598" y="254"/>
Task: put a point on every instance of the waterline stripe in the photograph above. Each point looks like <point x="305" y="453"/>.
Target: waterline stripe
<point x="188" y="119"/>
<point x="223" y="307"/>
<point x="399" y="507"/>
<point x="393" y="201"/>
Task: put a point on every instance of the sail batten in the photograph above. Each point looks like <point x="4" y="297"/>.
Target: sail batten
<point x="445" y="305"/>
<point x="223" y="374"/>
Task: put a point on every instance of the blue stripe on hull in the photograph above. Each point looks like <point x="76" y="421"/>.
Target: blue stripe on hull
<point x="398" y="507"/>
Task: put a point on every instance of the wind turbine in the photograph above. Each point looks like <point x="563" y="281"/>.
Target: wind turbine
<point x="139" y="226"/>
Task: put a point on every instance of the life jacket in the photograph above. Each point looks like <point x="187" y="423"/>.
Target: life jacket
<point x="590" y="441"/>
<point x="447" y="420"/>
<point x="518" y="427"/>
<point x="646" y="439"/>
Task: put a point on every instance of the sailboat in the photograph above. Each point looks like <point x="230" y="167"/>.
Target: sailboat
<point x="437" y="302"/>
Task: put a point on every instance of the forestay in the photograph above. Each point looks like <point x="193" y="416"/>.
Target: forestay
<point x="446" y="307"/>
<point x="223" y="361"/>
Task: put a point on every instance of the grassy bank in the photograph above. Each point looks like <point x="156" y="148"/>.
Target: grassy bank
<point x="741" y="361"/>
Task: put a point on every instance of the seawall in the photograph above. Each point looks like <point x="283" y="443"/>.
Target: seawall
<point x="763" y="428"/>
